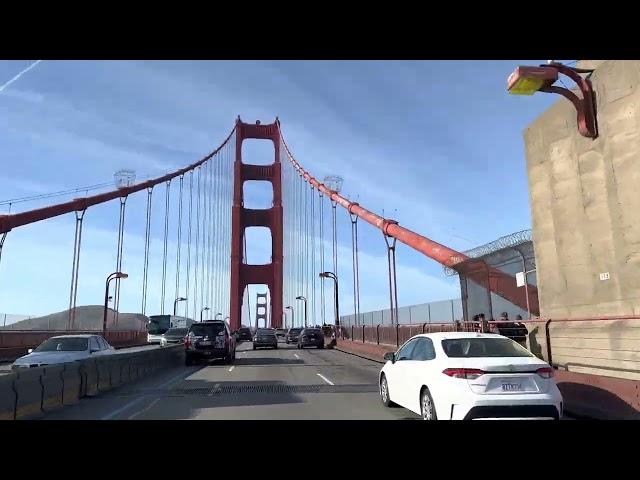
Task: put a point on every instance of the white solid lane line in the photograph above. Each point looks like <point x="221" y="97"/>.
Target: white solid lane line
<point x="231" y="369"/>
<point x="144" y="409"/>
<point x="325" y="378"/>
<point x="296" y="355"/>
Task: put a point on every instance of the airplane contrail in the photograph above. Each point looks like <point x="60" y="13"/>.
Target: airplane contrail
<point x="2" y="87"/>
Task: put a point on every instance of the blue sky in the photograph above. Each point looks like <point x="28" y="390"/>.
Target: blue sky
<point x="437" y="145"/>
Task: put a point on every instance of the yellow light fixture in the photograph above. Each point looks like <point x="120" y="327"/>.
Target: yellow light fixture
<point x="529" y="80"/>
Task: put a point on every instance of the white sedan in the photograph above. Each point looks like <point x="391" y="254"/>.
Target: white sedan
<point x="63" y="349"/>
<point x="465" y="376"/>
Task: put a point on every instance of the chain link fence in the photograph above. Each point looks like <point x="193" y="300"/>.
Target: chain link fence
<point x="443" y="311"/>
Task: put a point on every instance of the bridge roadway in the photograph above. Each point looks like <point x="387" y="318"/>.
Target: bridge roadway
<point x="286" y="383"/>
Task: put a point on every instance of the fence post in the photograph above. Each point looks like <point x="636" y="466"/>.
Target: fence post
<point x="378" y="334"/>
<point x="397" y="337"/>
<point x="352" y="333"/>
<point x="362" y="333"/>
<point x="548" y="338"/>
<point x="423" y="325"/>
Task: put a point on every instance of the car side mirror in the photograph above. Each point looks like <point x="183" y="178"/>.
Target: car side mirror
<point x="390" y="356"/>
<point x="30" y="350"/>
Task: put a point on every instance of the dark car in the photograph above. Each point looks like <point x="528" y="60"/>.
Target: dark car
<point x="243" y="334"/>
<point x="292" y="335"/>
<point x="281" y="332"/>
<point x="265" y="337"/>
<point x="209" y="340"/>
<point x="311" y="337"/>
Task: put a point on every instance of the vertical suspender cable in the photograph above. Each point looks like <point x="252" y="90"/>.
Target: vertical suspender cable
<point x="210" y="245"/>
<point x="147" y="240"/>
<point x="322" y="302"/>
<point x="356" y="274"/>
<point x="116" y="303"/>
<point x="313" y="255"/>
<point x="196" y="310"/>
<point x="186" y="304"/>
<point x="335" y="246"/>
<point x="164" y="251"/>
<point x="205" y="224"/>
<point x="179" y="239"/>
<point x="73" y="294"/>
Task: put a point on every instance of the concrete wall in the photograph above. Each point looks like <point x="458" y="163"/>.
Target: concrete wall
<point x="585" y="200"/>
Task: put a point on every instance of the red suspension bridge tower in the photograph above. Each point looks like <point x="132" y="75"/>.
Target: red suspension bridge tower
<point x="243" y="274"/>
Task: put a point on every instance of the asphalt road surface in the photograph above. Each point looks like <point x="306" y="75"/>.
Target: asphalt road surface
<point x="286" y="383"/>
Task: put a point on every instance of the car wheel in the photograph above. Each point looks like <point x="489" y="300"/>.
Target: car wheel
<point x="254" y="347"/>
<point x="287" y="342"/>
<point x="427" y="408"/>
<point x="384" y="393"/>
<point x="275" y="347"/>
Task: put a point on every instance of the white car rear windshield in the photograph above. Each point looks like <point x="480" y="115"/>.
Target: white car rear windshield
<point x="483" y="347"/>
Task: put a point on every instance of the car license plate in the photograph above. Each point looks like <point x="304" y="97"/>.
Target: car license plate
<point x="205" y="344"/>
<point x="511" y="387"/>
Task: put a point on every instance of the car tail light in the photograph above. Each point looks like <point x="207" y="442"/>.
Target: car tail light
<point x="545" y="372"/>
<point x="187" y="341"/>
<point x="467" y="373"/>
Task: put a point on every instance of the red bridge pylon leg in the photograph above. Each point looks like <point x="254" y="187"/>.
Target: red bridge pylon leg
<point x="244" y="274"/>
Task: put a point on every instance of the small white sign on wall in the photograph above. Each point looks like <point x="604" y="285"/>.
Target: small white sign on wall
<point x="605" y="276"/>
<point x="520" y="279"/>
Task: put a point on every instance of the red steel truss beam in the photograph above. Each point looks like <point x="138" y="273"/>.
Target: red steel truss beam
<point x="9" y="222"/>
<point x="489" y="277"/>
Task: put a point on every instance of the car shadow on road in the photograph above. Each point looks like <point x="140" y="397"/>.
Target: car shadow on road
<point x="193" y="396"/>
<point x="261" y="361"/>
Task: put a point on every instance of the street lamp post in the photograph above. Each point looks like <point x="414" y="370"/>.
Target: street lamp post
<point x="335" y="291"/>
<point x="284" y="312"/>
<point x="175" y="303"/>
<point x="106" y="298"/>
<point x="300" y="297"/>
<point x="293" y="316"/>
<point x="201" y="311"/>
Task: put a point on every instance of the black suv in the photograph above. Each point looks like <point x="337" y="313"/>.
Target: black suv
<point x="244" y="334"/>
<point x="311" y="337"/>
<point x="209" y="340"/>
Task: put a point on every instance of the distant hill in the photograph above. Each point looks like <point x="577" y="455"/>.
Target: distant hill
<point x="87" y="317"/>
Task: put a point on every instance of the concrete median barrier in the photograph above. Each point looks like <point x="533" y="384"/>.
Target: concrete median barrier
<point x="71" y="383"/>
<point x="89" y="375"/>
<point x="52" y="387"/>
<point x="29" y="393"/>
<point x="115" y="369"/>
<point x="103" y="365"/>
<point x="124" y="363"/>
<point x="7" y="396"/>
